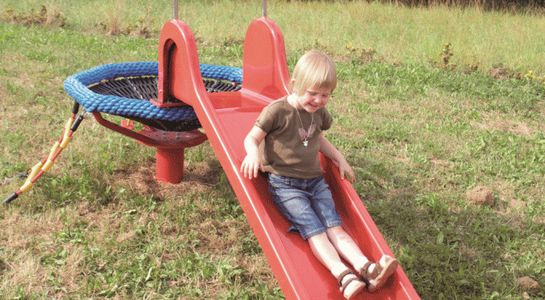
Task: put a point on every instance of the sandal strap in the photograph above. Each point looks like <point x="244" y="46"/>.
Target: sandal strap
<point x="342" y="275"/>
<point x="348" y="282"/>
<point x="365" y="269"/>
<point x="366" y="281"/>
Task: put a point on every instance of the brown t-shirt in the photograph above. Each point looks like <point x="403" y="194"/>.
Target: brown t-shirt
<point x="284" y="151"/>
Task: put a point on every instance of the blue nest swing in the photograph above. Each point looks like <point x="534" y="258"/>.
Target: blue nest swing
<point x="125" y="89"/>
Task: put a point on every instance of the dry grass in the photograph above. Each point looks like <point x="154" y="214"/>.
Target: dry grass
<point x="25" y="271"/>
<point x="26" y="240"/>
<point x="514" y="127"/>
<point x="113" y="24"/>
<point x="46" y="16"/>
<point x="512" y="5"/>
<point x="198" y="176"/>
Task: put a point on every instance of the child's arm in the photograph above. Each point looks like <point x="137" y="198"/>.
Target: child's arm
<point x="252" y="162"/>
<point x="330" y="151"/>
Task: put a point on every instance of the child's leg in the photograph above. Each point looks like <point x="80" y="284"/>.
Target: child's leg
<point x="324" y="206"/>
<point x="348" y="249"/>
<point x="376" y="273"/>
<point x="328" y="256"/>
<point x="326" y="253"/>
<point x="292" y="199"/>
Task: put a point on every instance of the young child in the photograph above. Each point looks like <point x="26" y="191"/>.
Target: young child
<point x="292" y="130"/>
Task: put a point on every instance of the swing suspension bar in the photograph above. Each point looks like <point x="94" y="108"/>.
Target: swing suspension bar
<point x="264" y="8"/>
<point x="175" y="9"/>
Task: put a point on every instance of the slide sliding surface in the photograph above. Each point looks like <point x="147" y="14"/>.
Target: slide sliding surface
<point x="300" y="274"/>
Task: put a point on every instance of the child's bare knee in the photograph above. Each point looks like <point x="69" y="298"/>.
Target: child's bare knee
<point x="336" y="233"/>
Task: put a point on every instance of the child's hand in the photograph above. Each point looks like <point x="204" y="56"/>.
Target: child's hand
<point x="250" y="166"/>
<point x="346" y="171"/>
<point x="252" y="162"/>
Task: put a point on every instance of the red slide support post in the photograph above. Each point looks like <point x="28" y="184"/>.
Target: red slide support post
<point x="170" y="146"/>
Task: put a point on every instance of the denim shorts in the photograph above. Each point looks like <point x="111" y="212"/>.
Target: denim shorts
<point x="306" y="203"/>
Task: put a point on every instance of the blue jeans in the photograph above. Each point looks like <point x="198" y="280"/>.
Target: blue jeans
<point x="306" y="203"/>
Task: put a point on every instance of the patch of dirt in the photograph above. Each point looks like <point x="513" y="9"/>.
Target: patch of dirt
<point x="515" y="220"/>
<point x="516" y="204"/>
<point x="27" y="238"/>
<point x="125" y="236"/>
<point x="389" y="108"/>
<point x="198" y="177"/>
<point x="25" y="270"/>
<point x="508" y="206"/>
<point x="114" y="26"/>
<point x="517" y="128"/>
<point x="403" y="158"/>
<point x="3" y="266"/>
<point x="539" y="220"/>
<point x="440" y="162"/>
<point x="258" y="269"/>
<point x="84" y="208"/>
<point x="480" y="195"/>
<point x="101" y="223"/>
<point x="19" y="232"/>
<point x="504" y="189"/>
<point x="3" y="93"/>
<point x="500" y="72"/>
<point x="405" y="193"/>
<point x="469" y="252"/>
<point x="527" y="283"/>
<point x="220" y="236"/>
<point x="511" y="211"/>
<point x="170" y="229"/>
<point x="17" y="177"/>
<point x="71" y="270"/>
<point x="22" y="80"/>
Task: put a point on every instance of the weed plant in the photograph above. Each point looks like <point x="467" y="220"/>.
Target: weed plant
<point x="419" y="135"/>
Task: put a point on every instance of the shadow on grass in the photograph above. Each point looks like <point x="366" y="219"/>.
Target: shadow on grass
<point x="450" y="252"/>
<point x="138" y="184"/>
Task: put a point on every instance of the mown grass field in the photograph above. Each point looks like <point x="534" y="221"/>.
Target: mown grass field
<point x="422" y="124"/>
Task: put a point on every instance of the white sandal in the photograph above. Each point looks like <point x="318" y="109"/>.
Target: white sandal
<point x="355" y="284"/>
<point x="385" y="267"/>
<point x="365" y="274"/>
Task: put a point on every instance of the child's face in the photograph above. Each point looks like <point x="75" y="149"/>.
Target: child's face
<point x="314" y="98"/>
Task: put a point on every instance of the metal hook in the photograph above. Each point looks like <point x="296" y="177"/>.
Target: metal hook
<point x="264" y="8"/>
<point x="175" y="9"/>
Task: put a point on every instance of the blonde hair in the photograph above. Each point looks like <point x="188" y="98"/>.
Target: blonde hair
<point x="314" y="69"/>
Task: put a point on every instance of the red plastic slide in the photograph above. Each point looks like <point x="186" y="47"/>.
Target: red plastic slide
<point x="227" y="118"/>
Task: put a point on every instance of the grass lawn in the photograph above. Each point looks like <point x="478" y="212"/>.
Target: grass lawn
<point x="428" y="127"/>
